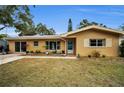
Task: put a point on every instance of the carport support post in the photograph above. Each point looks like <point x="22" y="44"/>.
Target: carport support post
<point x="66" y="49"/>
<point x="20" y="47"/>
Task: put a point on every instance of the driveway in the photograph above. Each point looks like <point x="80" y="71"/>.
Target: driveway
<point x="12" y="57"/>
<point x="9" y="57"/>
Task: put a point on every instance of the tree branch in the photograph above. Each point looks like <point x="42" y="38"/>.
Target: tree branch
<point x="2" y="28"/>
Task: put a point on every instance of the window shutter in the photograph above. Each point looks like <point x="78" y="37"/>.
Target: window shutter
<point x="86" y="42"/>
<point x="108" y="42"/>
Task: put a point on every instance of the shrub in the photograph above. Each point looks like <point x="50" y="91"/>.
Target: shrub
<point x="89" y="56"/>
<point x="63" y="52"/>
<point x="31" y="52"/>
<point x="78" y="55"/>
<point x="37" y="51"/>
<point x="27" y="52"/>
<point x="96" y="54"/>
<point x="103" y="56"/>
<point x="121" y="48"/>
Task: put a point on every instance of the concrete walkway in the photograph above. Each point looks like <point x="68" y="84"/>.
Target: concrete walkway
<point x="12" y="57"/>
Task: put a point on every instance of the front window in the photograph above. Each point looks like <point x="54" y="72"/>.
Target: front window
<point x="52" y="45"/>
<point x="35" y="43"/>
<point x="58" y="45"/>
<point x="97" y="42"/>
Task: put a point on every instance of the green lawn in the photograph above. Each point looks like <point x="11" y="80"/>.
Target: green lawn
<point x="63" y="72"/>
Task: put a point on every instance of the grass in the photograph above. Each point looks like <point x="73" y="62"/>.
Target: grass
<point x="64" y="73"/>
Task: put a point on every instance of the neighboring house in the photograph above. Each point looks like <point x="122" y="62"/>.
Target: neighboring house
<point x="3" y="45"/>
<point x="82" y="41"/>
<point x="121" y="39"/>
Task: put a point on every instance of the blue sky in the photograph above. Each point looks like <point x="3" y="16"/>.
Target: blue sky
<point x="57" y="16"/>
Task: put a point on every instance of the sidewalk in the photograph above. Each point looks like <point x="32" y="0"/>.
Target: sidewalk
<point x="53" y="57"/>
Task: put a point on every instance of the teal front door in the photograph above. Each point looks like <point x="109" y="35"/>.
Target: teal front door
<point x="70" y="48"/>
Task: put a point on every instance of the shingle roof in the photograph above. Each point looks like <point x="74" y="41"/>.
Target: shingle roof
<point x="65" y="34"/>
<point x="35" y="37"/>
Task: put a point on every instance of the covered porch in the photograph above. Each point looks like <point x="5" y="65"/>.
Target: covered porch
<point x="70" y="46"/>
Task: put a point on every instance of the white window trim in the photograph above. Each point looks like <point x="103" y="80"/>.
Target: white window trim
<point x="49" y="46"/>
<point x="97" y="44"/>
<point x="34" y="45"/>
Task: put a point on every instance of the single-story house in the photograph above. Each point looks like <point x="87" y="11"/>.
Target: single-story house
<point x="82" y="41"/>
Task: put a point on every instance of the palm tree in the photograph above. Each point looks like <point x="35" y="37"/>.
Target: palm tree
<point x="85" y="23"/>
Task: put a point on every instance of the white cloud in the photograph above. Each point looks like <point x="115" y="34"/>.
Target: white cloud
<point x="106" y="12"/>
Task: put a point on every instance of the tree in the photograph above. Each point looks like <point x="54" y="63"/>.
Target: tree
<point x="19" y="17"/>
<point x="121" y="27"/>
<point x="85" y="23"/>
<point x="40" y="29"/>
<point x="3" y="36"/>
<point x="43" y="30"/>
<point x="121" y="48"/>
<point x="26" y="30"/>
<point x="52" y="31"/>
<point x="16" y="16"/>
<point x="69" y="25"/>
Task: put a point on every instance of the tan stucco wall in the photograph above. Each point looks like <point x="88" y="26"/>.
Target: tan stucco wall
<point x="11" y="46"/>
<point x="95" y="34"/>
<point x="80" y="49"/>
<point x="42" y="44"/>
<point x="31" y="47"/>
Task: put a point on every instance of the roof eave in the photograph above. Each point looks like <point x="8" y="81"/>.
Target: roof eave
<point x="94" y="27"/>
<point x="30" y="38"/>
